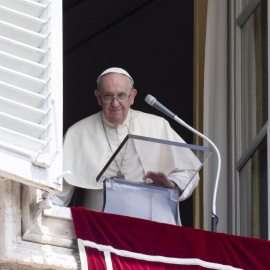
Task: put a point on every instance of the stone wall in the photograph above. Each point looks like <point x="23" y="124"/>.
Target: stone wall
<point x="30" y="239"/>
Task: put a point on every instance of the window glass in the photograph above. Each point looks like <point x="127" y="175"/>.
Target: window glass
<point x="254" y="76"/>
<point x="253" y="194"/>
<point x="244" y="3"/>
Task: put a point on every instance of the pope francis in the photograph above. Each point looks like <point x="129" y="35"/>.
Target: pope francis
<point x="90" y="143"/>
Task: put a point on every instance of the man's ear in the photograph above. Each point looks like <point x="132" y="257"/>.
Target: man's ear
<point x="96" y="92"/>
<point x="133" y="95"/>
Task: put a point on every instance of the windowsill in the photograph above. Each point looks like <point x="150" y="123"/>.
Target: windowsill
<point x="58" y="212"/>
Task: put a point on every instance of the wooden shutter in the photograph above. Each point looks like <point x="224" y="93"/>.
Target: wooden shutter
<point x="31" y="85"/>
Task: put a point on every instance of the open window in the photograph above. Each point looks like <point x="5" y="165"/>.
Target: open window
<point x="251" y="96"/>
<point x="31" y="84"/>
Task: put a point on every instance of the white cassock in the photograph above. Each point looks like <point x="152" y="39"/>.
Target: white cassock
<point x="90" y="143"/>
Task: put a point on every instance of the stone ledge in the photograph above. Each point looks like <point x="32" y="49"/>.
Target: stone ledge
<point x="29" y="255"/>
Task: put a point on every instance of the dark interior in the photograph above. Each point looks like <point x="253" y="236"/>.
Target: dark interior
<point x="152" y="40"/>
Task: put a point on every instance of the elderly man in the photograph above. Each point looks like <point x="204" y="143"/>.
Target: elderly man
<point x="90" y="143"/>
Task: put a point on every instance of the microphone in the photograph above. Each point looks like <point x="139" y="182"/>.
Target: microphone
<point x="153" y="102"/>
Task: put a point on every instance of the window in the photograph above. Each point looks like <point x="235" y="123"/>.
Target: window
<point x="252" y="120"/>
<point x="31" y="92"/>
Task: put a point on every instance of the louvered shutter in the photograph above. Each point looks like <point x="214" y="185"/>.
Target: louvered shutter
<point x="31" y="92"/>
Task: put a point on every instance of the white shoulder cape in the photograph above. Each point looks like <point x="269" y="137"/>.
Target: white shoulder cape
<point x="86" y="150"/>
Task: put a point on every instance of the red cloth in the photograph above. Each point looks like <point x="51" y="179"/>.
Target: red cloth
<point x="158" y="239"/>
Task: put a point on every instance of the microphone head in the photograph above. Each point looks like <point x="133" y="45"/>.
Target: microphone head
<point x="150" y="99"/>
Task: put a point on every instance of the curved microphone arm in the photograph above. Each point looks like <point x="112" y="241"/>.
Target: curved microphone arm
<point x="153" y="102"/>
<point x="214" y="216"/>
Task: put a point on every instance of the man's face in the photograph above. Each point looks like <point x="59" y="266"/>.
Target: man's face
<point x="115" y="84"/>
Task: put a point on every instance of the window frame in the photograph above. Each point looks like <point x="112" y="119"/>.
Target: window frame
<point x="239" y="16"/>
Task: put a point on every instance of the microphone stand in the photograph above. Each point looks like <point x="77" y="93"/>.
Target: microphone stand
<point x="214" y="218"/>
<point x="153" y="102"/>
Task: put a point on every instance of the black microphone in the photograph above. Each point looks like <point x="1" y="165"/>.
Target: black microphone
<point x="153" y="102"/>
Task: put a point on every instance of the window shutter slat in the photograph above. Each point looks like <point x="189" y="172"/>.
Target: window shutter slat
<point x="21" y="50"/>
<point x="19" y="64"/>
<point x="21" y="35"/>
<point x="26" y="145"/>
<point x="21" y="80"/>
<point x="21" y="110"/>
<point x="21" y="126"/>
<point x="21" y="19"/>
<point x="25" y="6"/>
<point x="21" y="95"/>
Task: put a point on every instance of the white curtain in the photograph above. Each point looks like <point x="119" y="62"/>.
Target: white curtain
<point x="215" y="109"/>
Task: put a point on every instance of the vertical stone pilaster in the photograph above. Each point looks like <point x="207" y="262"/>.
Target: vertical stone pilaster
<point x="10" y="216"/>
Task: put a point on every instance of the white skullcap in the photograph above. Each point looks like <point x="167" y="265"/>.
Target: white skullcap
<point x="115" y="70"/>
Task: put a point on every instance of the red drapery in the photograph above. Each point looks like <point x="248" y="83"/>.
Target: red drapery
<point x="132" y="243"/>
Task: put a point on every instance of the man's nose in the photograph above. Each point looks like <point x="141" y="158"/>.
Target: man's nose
<point x="115" y="101"/>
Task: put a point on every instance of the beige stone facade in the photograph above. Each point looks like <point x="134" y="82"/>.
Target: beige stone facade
<point x="30" y="238"/>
